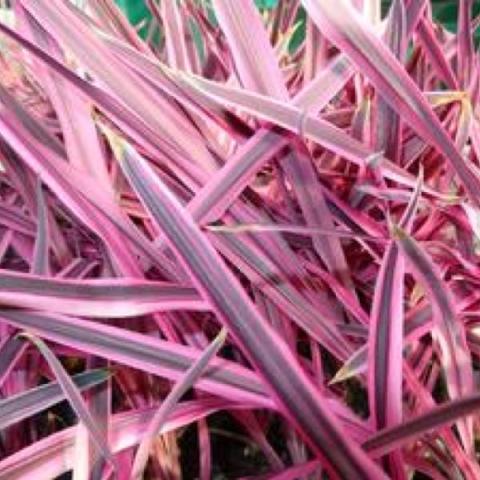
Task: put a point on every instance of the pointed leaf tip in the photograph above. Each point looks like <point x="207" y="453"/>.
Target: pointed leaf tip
<point x="397" y="232"/>
<point x="73" y="395"/>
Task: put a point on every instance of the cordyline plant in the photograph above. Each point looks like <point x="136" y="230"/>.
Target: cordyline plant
<point x="266" y="217"/>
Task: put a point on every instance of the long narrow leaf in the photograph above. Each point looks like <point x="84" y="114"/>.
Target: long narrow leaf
<point x="293" y="390"/>
<point x="41" y="264"/>
<point x="449" y="332"/>
<point x="447" y="413"/>
<point x="73" y="396"/>
<point x="385" y="348"/>
<point x="122" y="297"/>
<point x="247" y="37"/>
<point x="389" y="124"/>
<point x="17" y="407"/>
<point x="186" y="382"/>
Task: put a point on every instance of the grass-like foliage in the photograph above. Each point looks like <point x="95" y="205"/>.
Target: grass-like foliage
<point x="225" y="238"/>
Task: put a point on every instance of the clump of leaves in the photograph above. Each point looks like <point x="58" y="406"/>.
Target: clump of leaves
<point x="224" y="216"/>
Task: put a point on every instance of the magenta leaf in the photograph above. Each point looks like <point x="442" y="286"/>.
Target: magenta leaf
<point x="292" y="389"/>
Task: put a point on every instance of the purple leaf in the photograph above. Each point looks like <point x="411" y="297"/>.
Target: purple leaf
<point x="293" y="390"/>
<point x="72" y="394"/>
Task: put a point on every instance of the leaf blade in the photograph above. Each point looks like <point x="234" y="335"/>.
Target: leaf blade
<point x="168" y="404"/>
<point x="73" y="395"/>
<point x="233" y="307"/>
<point x="23" y="405"/>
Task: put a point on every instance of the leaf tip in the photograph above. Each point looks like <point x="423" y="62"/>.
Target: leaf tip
<point x="396" y="232"/>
